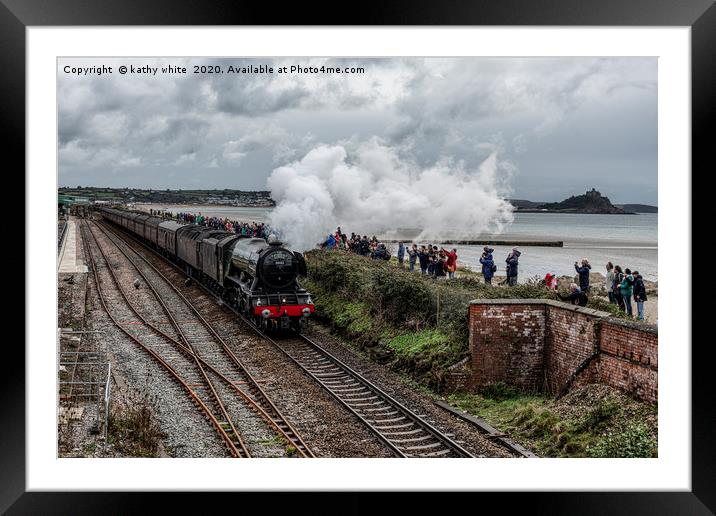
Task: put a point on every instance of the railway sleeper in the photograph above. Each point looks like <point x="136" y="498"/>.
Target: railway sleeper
<point x="436" y="444"/>
<point x="331" y="374"/>
<point x="392" y="427"/>
<point x="345" y="385"/>
<point x="376" y="411"/>
<point x="360" y="399"/>
<point x="378" y="421"/>
<point x="439" y="453"/>
<point x="412" y="440"/>
<point x="367" y="404"/>
<point x="409" y="432"/>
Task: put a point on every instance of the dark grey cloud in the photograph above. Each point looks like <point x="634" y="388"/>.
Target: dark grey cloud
<point x="562" y="124"/>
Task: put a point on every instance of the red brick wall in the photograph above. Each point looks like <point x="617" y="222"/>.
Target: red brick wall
<point x="541" y="344"/>
<point x="629" y="340"/>
<point x="507" y="344"/>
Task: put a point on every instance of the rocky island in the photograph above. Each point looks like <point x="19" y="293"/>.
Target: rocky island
<point x="591" y="202"/>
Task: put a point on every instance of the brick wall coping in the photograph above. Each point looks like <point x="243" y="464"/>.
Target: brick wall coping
<point x="650" y="328"/>
<point x="640" y="326"/>
<point x="545" y="302"/>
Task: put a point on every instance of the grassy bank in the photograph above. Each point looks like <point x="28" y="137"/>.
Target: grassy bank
<point x="415" y="323"/>
<point x="419" y="326"/>
<point x="592" y="421"/>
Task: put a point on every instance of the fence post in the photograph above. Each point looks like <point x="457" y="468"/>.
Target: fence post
<point x="106" y="399"/>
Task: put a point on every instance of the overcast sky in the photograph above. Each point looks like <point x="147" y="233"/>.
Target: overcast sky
<point x="562" y="125"/>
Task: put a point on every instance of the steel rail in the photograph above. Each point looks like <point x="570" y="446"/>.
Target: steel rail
<point x="416" y="420"/>
<point x="236" y="451"/>
<point x="215" y="395"/>
<point x="278" y="421"/>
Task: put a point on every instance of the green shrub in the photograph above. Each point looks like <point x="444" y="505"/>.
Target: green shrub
<point x="400" y="297"/>
<point x="635" y="441"/>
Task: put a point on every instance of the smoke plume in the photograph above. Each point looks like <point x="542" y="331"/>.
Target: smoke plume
<point x="374" y="191"/>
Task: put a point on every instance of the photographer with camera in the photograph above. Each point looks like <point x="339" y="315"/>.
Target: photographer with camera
<point x="512" y="266"/>
<point x="412" y="256"/>
<point x="576" y="296"/>
<point x="488" y="264"/>
<point x="583" y="272"/>
<point x="424" y="257"/>
<point x="450" y="261"/>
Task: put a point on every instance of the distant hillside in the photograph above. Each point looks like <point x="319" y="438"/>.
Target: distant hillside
<point x="167" y="196"/>
<point x="639" y="208"/>
<point x="591" y="202"/>
<point x="522" y="204"/>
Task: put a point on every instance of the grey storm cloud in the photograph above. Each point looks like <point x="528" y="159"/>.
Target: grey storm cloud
<point x="563" y="124"/>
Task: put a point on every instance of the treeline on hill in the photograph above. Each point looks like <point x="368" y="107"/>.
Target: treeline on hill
<point x="165" y="195"/>
<point x="415" y="323"/>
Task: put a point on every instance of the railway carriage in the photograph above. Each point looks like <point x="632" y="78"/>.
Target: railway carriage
<point x="166" y="236"/>
<point x="139" y="222"/>
<point x="151" y="228"/>
<point x="130" y="217"/>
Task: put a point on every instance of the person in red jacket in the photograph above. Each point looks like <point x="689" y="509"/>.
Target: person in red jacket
<point x="450" y="262"/>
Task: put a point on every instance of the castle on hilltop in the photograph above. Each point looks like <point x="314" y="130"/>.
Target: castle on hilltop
<point x="591" y="202"/>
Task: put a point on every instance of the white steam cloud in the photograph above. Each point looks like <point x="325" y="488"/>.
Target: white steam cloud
<point x="374" y="191"/>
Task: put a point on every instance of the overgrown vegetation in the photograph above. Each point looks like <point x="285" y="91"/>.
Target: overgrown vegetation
<point x="592" y="421"/>
<point x="416" y="323"/>
<point x="133" y="430"/>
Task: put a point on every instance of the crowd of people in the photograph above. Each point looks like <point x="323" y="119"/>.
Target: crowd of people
<point x="250" y="229"/>
<point x="622" y="287"/>
<point x="429" y="259"/>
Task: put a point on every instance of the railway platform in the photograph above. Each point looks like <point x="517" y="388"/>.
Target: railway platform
<point x="68" y="261"/>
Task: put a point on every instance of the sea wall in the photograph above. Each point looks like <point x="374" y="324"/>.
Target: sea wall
<point x="548" y="346"/>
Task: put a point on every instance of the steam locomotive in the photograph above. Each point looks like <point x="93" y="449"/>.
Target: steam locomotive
<point x="258" y="277"/>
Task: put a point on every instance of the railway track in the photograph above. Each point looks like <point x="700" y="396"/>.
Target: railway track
<point x="399" y="428"/>
<point x="403" y="431"/>
<point x="208" y="369"/>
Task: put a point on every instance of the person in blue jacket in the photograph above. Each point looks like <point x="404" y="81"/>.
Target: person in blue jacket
<point x="401" y="253"/>
<point x="488" y="264"/>
<point x="512" y="266"/>
<point x="330" y="242"/>
<point x="583" y="272"/>
<point x="423" y="257"/>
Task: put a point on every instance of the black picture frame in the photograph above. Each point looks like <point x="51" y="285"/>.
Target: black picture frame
<point x="700" y="15"/>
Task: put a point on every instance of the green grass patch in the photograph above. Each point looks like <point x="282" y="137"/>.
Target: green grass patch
<point x="412" y="344"/>
<point x="604" y="427"/>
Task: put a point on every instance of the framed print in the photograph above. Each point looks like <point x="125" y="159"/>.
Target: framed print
<point x="416" y="250"/>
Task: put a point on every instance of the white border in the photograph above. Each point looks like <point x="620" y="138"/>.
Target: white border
<point x="670" y="471"/>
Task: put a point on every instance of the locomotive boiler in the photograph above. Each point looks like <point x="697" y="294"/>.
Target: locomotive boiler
<point x="265" y="275"/>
